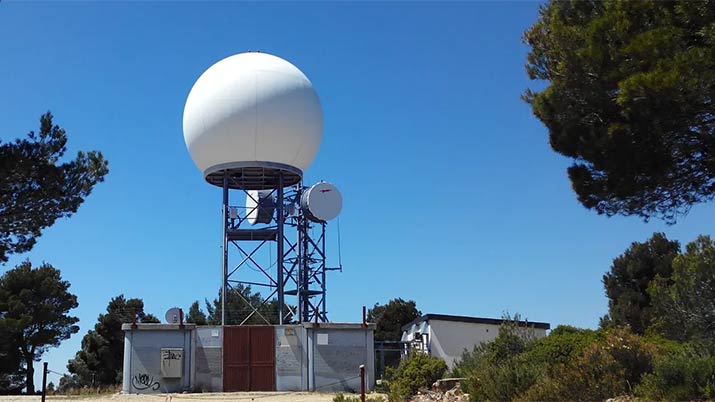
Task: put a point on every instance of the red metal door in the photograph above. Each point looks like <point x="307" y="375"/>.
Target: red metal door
<point x="248" y="358"/>
<point x="262" y="374"/>
<point x="236" y="359"/>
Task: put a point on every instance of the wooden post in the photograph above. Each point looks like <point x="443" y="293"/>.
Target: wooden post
<point x="362" y="383"/>
<point x="44" y="381"/>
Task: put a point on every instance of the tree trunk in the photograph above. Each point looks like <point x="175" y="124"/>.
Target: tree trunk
<point x="30" y="383"/>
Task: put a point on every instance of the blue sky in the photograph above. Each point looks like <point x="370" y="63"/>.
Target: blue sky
<point x="453" y="197"/>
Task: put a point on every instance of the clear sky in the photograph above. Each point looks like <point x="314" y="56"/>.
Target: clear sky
<point x="452" y="196"/>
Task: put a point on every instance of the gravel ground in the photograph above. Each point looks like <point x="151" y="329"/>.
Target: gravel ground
<point x="217" y="397"/>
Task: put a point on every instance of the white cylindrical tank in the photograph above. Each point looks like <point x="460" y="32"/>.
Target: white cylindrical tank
<point x="252" y="113"/>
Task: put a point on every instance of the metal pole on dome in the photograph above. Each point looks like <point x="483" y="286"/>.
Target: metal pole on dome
<point x="279" y="247"/>
<point x="224" y="265"/>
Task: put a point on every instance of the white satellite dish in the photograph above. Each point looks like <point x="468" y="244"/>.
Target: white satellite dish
<point x="321" y="202"/>
<point x="173" y="315"/>
<point x="259" y="206"/>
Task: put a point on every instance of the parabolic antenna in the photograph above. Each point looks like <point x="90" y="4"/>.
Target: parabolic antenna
<point x="321" y="202"/>
<point x="259" y="206"/>
<point x="172" y="315"/>
<point x="253" y="116"/>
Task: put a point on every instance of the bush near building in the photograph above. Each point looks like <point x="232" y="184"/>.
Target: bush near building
<point x="500" y="369"/>
<point x="670" y="356"/>
<point x="685" y="372"/>
<point x="612" y="365"/>
<point x="419" y="371"/>
<point x="574" y="364"/>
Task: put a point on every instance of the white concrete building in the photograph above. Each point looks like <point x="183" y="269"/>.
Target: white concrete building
<point x="447" y="336"/>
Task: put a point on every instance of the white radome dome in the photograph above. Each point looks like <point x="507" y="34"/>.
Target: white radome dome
<point x="252" y="109"/>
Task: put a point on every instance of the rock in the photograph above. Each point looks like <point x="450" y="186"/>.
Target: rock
<point x="445" y="384"/>
<point x="445" y="390"/>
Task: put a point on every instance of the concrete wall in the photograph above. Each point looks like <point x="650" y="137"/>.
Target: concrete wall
<point x="322" y="358"/>
<point x="449" y="339"/>
<point x="209" y="359"/>
<point x="336" y="352"/>
<point x="291" y="358"/>
<point x="142" y="358"/>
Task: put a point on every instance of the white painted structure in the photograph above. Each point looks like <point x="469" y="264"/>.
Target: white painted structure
<point x="322" y="202"/>
<point x="447" y="336"/>
<point x="252" y="107"/>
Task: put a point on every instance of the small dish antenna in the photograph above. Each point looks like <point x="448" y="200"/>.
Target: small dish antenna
<point x="173" y="315"/>
<point x="321" y="202"/>
<point x="260" y="205"/>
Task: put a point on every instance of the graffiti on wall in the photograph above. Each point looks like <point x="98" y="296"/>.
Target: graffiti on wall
<point x="172" y="362"/>
<point x="144" y="381"/>
<point x="172" y="354"/>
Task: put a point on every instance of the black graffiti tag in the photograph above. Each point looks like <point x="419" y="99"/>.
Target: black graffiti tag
<point x="171" y="355"/>
<point x="143" y="381"/>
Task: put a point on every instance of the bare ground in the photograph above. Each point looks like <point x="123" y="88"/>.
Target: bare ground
<point x="209" y="397"/>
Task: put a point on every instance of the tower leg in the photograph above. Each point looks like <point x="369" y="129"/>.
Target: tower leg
<point x="224" y="264"/>
<point x="279" y="248"/>
<point x="299" y="266"/>
<point x="305" y="271"/>
<point x="322" y="269"/>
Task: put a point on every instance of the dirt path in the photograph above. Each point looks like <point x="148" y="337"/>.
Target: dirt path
<point x="217" y="397"/>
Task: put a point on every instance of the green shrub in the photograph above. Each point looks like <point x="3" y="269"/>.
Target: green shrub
<point x="563" y="344"/>
<point x="569" y="364"/>
<point x="500" y="369"/>
<point x="513" y="339"/>
<point x="419" y="371"/>
<point x="469" y="362"/>
<point x="389" y="373"/>
<point x="611" y="366"/>
<point x="684" y="373"/>
<point x="502" y="381"/>
<point x="486" y="378"/>
<point x="539" y="360"/>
